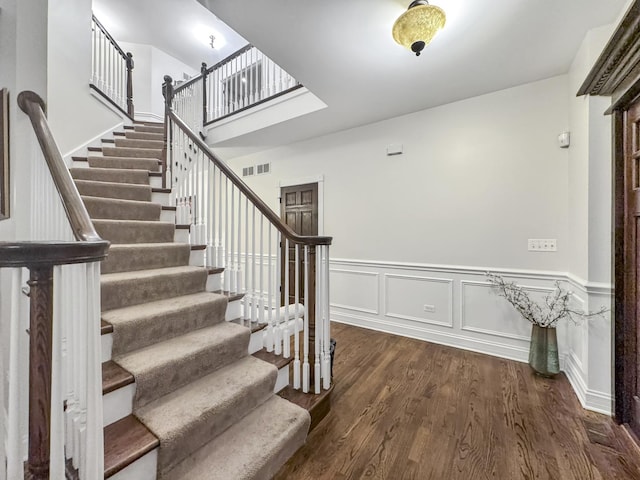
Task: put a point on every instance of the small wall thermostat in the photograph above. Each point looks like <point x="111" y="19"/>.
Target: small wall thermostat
<point x="564" y="140"/>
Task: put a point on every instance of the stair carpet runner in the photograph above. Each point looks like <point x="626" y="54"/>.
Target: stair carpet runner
<point x="209" y="403"/>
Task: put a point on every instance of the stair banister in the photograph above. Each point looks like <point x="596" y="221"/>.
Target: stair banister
<point x="112" y="69"/>
<point x="65" y="425"/>
<point x="219" y="214"/>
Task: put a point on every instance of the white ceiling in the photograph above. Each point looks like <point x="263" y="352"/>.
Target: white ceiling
<point x="180" y="28"/>
<point x="343" y="52"/>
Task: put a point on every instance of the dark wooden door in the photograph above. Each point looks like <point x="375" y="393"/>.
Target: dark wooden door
<point x="631" y="264"/>
<point x="299" y="210"/>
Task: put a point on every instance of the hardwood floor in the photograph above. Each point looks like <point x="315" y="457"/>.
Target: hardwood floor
<point x="406" y="409"/>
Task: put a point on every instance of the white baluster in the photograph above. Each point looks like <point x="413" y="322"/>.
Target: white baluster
<point x="305" y="344"/>
<point x="253" y="267"/>
<point x="232" y="267"/>
<point x="318" y="327"/>
<point x="327" y="321"/>
<point x="271" y="317"/>
<point x="296" y="333"/>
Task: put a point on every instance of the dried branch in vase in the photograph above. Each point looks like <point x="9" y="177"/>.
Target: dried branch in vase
<point x="557" y="305"/>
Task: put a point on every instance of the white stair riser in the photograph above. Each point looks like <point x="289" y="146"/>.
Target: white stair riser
<point x="233" y="310"/>
<point x="196" y="259"/>
<point x="142" y="469"/>
<point x="107" y="343"/>
<point x="256" y="343"/>
<point x="181" y="236"/>
<point x="118" y="404"/>
<point x="161" y="198"/>
<point x="283" y="379"/>
<point x="168" y="216"/>
<point x="214" y="284"/>
<point x="155" y="182"/>
<point x="76" y="164"/>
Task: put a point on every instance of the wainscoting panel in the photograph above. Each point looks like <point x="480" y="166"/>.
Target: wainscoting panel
<point x="354" y="290"/>
<point x="456" y="306"/>
<point x="482" y="311"/>
<point x="419" y="299"/>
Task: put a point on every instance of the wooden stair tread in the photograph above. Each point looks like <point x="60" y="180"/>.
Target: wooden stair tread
<point x="232" y="296"/>
<point x="214" y="270"/>
<point x="318" y="406"/>
<point x="255" y="326"/>
<point x="119" y="134"/>
<point x="80" y="159"/>
<point x="156" y="174"/>
<point x="108" y="140"/>
<point x="125" y="441"/>
<point x="161" y="190"/>
<point x="168" y="208"/>
<point x="94" y="149"/>
<point x="114" y="377"/>
<point x="105" y="327"/>
<point x="278" y="360"/>
<point x="198" y="247"/>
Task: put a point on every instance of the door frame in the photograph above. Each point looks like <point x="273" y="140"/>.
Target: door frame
<point x="616" y="73"/>
<point x="319" y="179"/>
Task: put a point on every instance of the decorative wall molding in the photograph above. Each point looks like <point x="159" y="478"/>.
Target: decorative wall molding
<point x="375" y="311"/>
<point x="475" y="316"/>
<point x="431" y="321"/>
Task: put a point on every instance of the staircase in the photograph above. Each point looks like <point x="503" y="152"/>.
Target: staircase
<point x="183" y="399"/>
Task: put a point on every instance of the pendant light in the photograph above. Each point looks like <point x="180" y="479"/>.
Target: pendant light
<point x="416" y="27"/>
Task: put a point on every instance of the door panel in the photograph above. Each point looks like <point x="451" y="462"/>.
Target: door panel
<point x="299" y="209"/>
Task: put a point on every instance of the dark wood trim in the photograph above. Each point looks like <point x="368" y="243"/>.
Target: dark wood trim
<point x="33" y="105"/>
<point x="616" y="73"/>
<point x="130" y="109"/>
<point x="108" y="99"/>
<point x="621" y="404"/>
<point x="4" y="154"/>
<point x="620" y="57"/>
<point x="40" y="359"/>
<point x="235" y="54"/>
<point x="39" y="254"/>
<point x="262" y="207"/>
<point x="260" y="102"/>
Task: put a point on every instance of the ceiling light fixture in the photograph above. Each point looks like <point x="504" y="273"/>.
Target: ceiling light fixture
<point x="416" y="27"/>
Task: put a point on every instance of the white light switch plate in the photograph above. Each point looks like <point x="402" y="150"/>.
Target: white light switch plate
<point x="542" y="245"/>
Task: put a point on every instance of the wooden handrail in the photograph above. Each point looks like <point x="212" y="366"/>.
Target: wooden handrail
<point x="207" y="70"/>
<point x="109" y="37"/>
<point x="286" y="231"/>
<point x="235" y="54"/>
<point x="33" y="105"/>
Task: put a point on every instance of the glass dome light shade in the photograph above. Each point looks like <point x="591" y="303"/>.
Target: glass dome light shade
<point x="419" y="23"/>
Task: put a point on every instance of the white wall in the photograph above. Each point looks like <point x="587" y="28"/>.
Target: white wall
<point x="437" y="203"/>
<point x="477" y="179"/>
<point x="151" y="65"/>
<point x="74" y="113"/>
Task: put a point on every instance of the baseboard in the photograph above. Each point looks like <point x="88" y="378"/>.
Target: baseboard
<point x="494" y="349"/>
<point x="81" y="150"/>
<point x="148" y="117"/>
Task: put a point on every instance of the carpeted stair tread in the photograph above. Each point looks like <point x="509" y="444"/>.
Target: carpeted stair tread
<point x="148" y="128"/>
<point x="119" y="209"/>
<point x="253" y="449"/>
<point x="117" y="175"/>
<point x="132" y="134"/>
<point x="192" y="416"/>
<point x="135" y="231"/>
<point x="139" y="326"/>
<point x="139" y="143"/>
<point x="164" y="367"/>
<point x="130" y="152"/>
<point x="145" y="256"/>
<point x="123" y="191"/>
<point x="124" y="162"/>
<point x="125" y="441"/>
<point x="124" y="289"/>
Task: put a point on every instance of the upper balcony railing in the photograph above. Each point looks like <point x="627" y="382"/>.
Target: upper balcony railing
<point x="241" y="81"/>
<point x="112" y="69"/>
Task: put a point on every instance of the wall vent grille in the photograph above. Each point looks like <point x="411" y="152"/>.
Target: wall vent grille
<point x="247" y="171"/>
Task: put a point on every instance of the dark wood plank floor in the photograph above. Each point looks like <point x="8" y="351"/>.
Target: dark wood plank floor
<point x="406" y="409"/>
